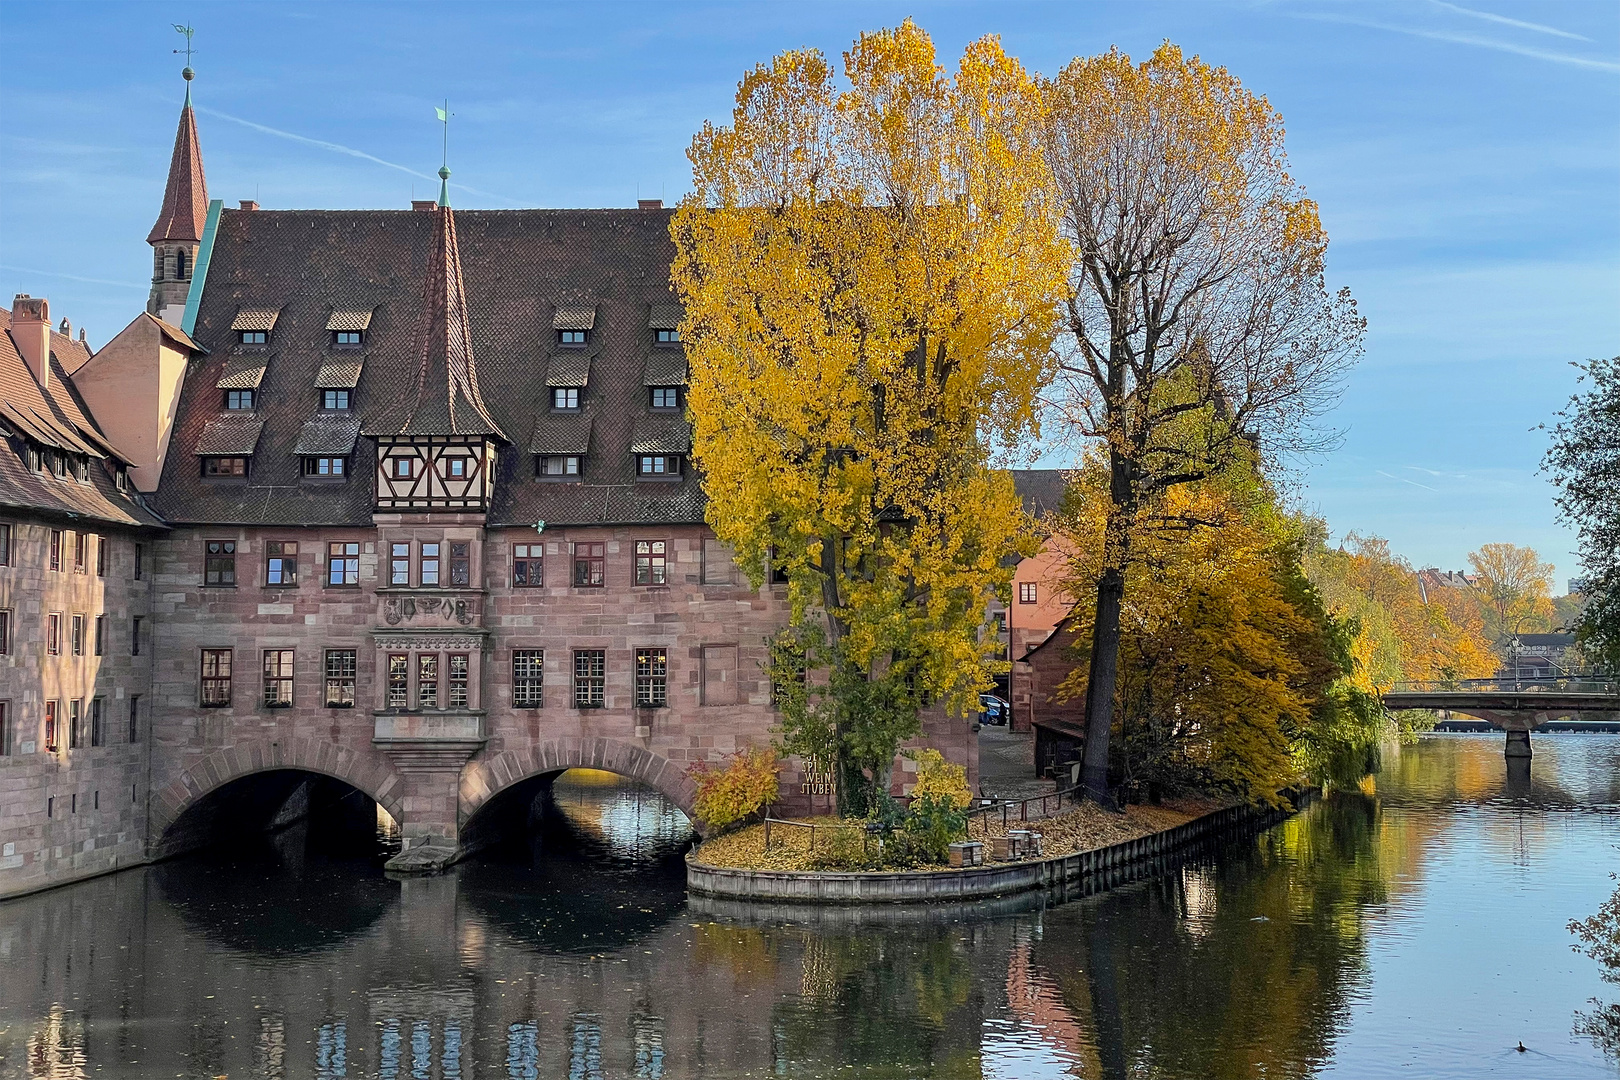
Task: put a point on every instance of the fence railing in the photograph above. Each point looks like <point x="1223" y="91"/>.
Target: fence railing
<point x="1009" y="811"/>
<point x="1567" y="684"/>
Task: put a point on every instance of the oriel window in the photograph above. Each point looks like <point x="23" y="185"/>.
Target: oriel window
<point x="219" y="564"/>
<point x="460" y="666"/>
<point x="652" y="678"/>
<point x="399" y="680"/>
<point x="430" y="565"/>
<point x="427" y="680"/>
<point x="340" y="669"/>
<point x="650" y="562"/>
<point x="278" y="678"/>
<point x="281" y="562"/>
<point x="527" y="566"/>
<point x="590" y="678"/>
<point x="216" y="677"/>
<point x="342" y="563"/>
<point x="590" y="565"/>
<point x="528" y="678"/>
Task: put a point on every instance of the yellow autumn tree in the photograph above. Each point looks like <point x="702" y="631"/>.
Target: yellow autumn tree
<point x="1198" y="324"/>
<point x="1515" y="587"/>
<point x="870" y="273"/>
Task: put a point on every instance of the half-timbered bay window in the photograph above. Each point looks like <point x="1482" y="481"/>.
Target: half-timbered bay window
<point x="342" y="563"/>
<point x="340" y="669"/>
<point x="281" y="562"/>
<point x="651" y="567"/>
<point x="528" y="678"/>
<point x="278" y="678"/>
<point x="399" y="680"/>
<point x="216" y="678"/>
<point x="225" y="467"/>
<point x="460" y="667"/>
<point x="219" y="564"/>
<point x="427" y="680"/>
<point x="652" y="678"/>
<point x="527" y="566"/>
<point x="590" y="565"/>
<point x="590" y="678"/>
<point x="556" y="466"/>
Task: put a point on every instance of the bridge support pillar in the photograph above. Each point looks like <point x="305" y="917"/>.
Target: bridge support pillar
<point x="1518" y="744"/>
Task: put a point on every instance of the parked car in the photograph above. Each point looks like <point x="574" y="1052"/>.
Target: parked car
<point x="993" y="710"/>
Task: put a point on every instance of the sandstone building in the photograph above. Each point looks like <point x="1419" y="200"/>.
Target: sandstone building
<point x="396" y="497"/>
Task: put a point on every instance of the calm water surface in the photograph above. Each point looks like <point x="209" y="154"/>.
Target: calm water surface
<point x="1415" y="929"/>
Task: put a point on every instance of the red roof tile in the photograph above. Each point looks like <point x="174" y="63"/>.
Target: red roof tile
<point x="185" y="197"/>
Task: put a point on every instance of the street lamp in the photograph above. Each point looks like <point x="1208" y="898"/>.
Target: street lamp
<point x="1513" y="643"/>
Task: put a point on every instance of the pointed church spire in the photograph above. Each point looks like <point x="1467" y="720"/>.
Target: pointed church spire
<point x="448" y="401"/>
<point x="185" y="198"/>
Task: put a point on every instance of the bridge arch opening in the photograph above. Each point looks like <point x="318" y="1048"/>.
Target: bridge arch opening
<point x="296" y="812"/>
<point x="578" y="814"/>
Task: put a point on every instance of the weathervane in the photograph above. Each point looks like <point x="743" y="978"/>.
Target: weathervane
<point x="444" y="168"/>
<point x="186" y="74"/>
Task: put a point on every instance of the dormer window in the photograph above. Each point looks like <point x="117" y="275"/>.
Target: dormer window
<point x="347" y="339"/>
<point x="572" y="337"/>
<point x="658" y="465"/>
<point x="665" y="397"/>
<point x="565" y="397"/>
<point x="669" y="337"/>
<point x="335" y="400"/>
<point x="224" y="467"/>
<point x="239" y="400"/>
<point x="253" y="337"/>
<point x="556" y="466"/>
<point x="325" y="466"/>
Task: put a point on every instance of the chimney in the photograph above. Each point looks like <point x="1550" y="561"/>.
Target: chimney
<point x="428" y="205"/>
<point x="249" y="204"/>
<point x="649" y="204"/>
<point x="31" y="328"/>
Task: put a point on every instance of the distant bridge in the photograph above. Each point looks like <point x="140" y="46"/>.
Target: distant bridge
<point x="1517" y="706"/>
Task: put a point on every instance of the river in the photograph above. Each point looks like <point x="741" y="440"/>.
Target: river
<point x="1414" y="928"/>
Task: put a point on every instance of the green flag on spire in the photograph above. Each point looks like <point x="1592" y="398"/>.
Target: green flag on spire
<point x="442" y="114"/>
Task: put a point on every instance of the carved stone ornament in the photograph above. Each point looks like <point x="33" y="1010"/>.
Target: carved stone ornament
<point x="429" y="642"/>
<point x="398" y="609"/>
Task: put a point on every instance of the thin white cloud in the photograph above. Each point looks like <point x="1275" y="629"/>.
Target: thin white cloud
<point x="71" y="277"/>
<point x="1440" y="475"/>
<point x="339" y="148"/>
<point x="1457" y="38"/>
<point x="1505" y="21"/>
<point x="1404" y="480"/>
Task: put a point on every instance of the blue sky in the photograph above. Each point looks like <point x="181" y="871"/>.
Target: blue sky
<point x="1466" y="158"/>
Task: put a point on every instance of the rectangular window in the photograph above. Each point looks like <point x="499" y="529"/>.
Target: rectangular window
<point x="650" y="566"/>
<point x="665" y="397"/>
<point x="53" y="633"/>
<point x="399" y="681"/>
<point x="658" y="465"/>
<point x="281" y="562"/>
<point x="429" y="565"/>
<point x="590" y="565"/>
<point x="335" y="400"/>
<point x="571" y="337"/>
<point x="399" y="564"/>
<point x="75" y="723"/>
<point x="135" y="636"/>
<point x="5" y="544"/>
<point x="135" y="718"/>
<point x="346" y="339"/>
<point x="101" y="556"/>
<point x="326" y="466"/>
<point x="76" y="635"/>
<point x="460" y="565"/>
<point x="253" y="337"/>
<point x="216" y="677"/>
<point x="460" y="665"/>
<point x="98" y="730"/>
<point x="219" y="564"/>
<point x="427" y="680"/>
<point x="590" y="678"/>
<point x="1026" y="592"/>
<point x="527" y="566"/>
<point x="458" y="467"/>
<point x="401" y="468"/>
<point x="5" y="632"/>
<point x="52" y="738"/>
<point x="56" y="549"/>
<point x="140" y="561"/>
<point x="342" y="563"/>
<point x="565" y="397"/>
<point x="556" y="465"/>
<point x="101" y="635"/>
<point x="224" y="466"/>
<point x="340" y="669"/>
<point x="652" y="678"/>
<point x="8" y="744"/>
<point x="238" y="400"/>
<point x="81" y="541"/>
<point x="528" y="670"/>
<point x="666" y="337"/>
<point x="278" y="678"/>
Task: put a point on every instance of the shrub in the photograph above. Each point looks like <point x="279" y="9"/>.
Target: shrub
<point x="941" y="781"/>
<point x="739" y="786"/>
<point x="931" y="824"/>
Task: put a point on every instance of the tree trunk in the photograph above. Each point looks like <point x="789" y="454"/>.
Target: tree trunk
<point x="1101" y="682"/>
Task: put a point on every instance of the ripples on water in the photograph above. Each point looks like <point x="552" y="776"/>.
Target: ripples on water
<point x="1413" y="928"/>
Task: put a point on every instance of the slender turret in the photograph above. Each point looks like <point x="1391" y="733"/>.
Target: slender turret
<point x="179" y="228"/>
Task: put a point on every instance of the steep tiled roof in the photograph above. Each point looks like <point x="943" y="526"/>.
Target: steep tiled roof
<point x="255" y="317"/>
<point x="349" y="319"/>
<point x="561" y="433"/>
<point x="185" y="197"/>
<point x="574" y="317"/>
<point x="339" y="372"/>
<point x="230" y="435"/>
<point x="56" y="417"/>
<point x="518" y="268"/>
<point x="569" y="369"/>
<point x="328" y="436"/>
<point x="662" y="435"/>
<point x="244" y="372"/>
<point x="665" y="316"/>
<point x="665" y="367"/>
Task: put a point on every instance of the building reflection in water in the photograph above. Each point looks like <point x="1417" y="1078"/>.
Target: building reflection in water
<point x="575" y="953"/>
